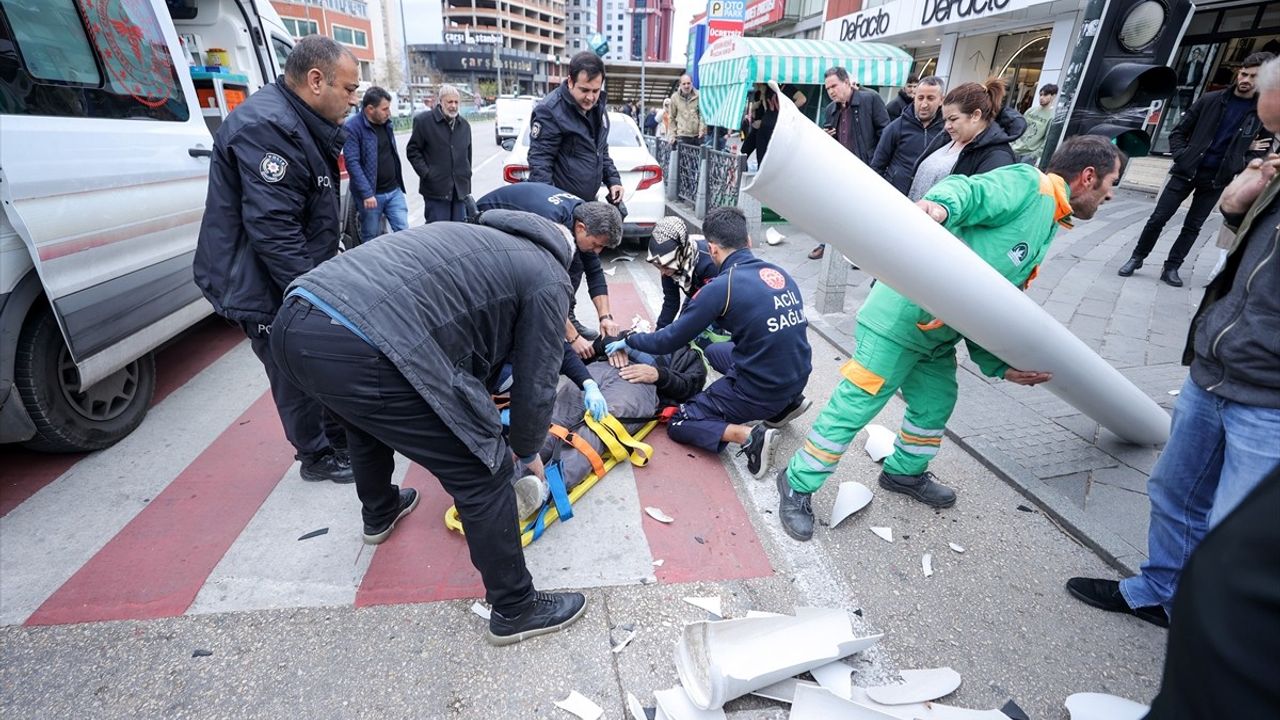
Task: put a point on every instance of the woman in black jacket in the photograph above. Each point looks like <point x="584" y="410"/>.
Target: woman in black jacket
<point x="978" y="138"/>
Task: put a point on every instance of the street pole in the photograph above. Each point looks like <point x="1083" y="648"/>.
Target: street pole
<point x="405" y="81"/>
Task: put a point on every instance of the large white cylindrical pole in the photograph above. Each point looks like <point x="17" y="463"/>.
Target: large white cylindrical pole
<point x="829" y="193"/>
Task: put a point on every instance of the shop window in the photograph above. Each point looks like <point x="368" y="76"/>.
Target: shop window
<point x="1270" y="16"/>
<point x="350" y="36"/>
<point x="1202" y="23"/>
<point x="300" y="28"/>
<point x="1238" y="19"/>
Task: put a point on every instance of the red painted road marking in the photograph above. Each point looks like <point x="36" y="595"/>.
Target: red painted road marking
<point x="155" y="565"/>
<point x="26" y="472"/>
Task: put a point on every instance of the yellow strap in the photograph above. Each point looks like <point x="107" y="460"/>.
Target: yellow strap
<point x="581" y="445"/>
<point x="615" y="436"/>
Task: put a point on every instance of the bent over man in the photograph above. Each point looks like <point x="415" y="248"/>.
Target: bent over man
<point x="1007" y="216"/>
<point x="401" y="339"/>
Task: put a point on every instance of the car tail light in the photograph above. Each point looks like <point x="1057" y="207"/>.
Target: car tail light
<point x="342" y="166"/>
<point x="652" y="175"/>
<point x="515" y="173"/>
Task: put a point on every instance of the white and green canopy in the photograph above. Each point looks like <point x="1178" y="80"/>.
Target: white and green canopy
<point x="732" y="65"/>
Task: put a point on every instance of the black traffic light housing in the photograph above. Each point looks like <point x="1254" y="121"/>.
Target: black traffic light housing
<point x="1127" y="70"/>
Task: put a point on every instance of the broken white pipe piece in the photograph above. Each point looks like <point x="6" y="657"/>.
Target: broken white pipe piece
<point x="879" y="442"/>
<point x="773" y="237"/>
<point x="926" y="564"/>
<point x="925" y="711"/>
<point x="676" y="705"/>
<point x="1100" y="706"/>
<point x="722" y="660"/>
<point x="635" y="708"/>
<point x="852" y="497"/>
<point x="580" y="706"/>
<point x="957" y="548"/>
<point x="658" y="515"/>
<point x="837" y="677"/>
<point x="885" y="533"/>
<point x="710" y="604"/>
<point x="783" y="690"/>
<point x="807" y="179"/>
<point x="917" y="686"/>
<point x="480" y="610"/>
<point x="821" y="704"/>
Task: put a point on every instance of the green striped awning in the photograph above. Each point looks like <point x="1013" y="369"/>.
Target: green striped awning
<point x="732" y="65"/>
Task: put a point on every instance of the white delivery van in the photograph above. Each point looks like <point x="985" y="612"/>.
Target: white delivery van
<point x="510" y="114"/>
<point x="104" y="160"/>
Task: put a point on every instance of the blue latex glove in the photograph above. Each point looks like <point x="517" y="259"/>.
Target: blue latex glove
<point x="505" y="416"/>
<point x="593" y="400"/>
<point x="616" y="346"/>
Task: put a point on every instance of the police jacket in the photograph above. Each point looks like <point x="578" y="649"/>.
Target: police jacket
<point x="361" y="152"/>
<point x="870" y="118"/>
<point x="440" y="154"/>
<point x="704" y="270"/>
<point x="1194" y="133"/>
<point x="902" y="145"/>
<point x="759" y="305"/>
<point x="449" y="304"/>
<point x="557" y="206"/>
<point x="569" y="148"/>
<point x="991" y="149"/>
<point x="272" y="209"/>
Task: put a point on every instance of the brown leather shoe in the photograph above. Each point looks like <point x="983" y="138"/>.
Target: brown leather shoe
<point x="818" y="252"/>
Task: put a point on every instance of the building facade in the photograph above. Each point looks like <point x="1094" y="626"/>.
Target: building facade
<point x="350" y="22"/>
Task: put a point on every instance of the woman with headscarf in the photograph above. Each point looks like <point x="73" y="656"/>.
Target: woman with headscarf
<point x="685" y="265"/>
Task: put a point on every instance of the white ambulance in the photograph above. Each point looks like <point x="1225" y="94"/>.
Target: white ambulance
<point x="105" y="139"/>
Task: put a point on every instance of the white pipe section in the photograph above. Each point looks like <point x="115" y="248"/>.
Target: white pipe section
<point x="829" y="193"/>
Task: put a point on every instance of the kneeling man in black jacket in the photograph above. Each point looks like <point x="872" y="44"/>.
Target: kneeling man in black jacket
<point x="401" y="340"/>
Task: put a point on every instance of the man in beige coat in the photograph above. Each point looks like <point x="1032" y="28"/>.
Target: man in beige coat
<point x="685" y="119"/>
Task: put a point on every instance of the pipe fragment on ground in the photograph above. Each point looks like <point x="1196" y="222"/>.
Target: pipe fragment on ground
<point x="807" y="179"/>
<point x="718" y="661"/>
<point x="836" y="677"/>
<point x="783" y="690"/>
<point x="925" y="711"/>
<point x="917" y="686"/>
<point x="880" y="441"/>
<point x="884" y="533"/>
<point x="580" y="706"/>
<point x="710" y="604"/>
<point x="852" y="497"/>
<point x="676" y="705"/>
<point x="822" y="704"/>
<point x="1100" y="706"/>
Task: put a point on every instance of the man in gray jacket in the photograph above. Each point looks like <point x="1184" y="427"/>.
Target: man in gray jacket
<point x="1227" y="420"/>
<point x="402" y="340"/>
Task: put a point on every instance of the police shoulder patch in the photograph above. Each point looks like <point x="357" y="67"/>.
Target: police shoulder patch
<point x="273" y="167"/>
<point x="535" y="130"/>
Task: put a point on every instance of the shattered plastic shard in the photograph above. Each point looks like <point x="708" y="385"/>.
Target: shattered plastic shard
<point x="820" y="704"/>
<point x="926" y="564"/>
<point x="658" y="515"/>
<point x="783" y="690"/>
<point x="635" y="708"/>
<point x="710" y="604"/>
<point x="885" y="533"/>
<point x="1100" y="706"/>
<point x="925" y="711"/>
<point x="853" y="496"/>
<point x="658" y="562"/>
<point x="879" y="442"/>
<point x="835" y="677"/>
<point x="627" y="633"/>
<point x="957" y="548"/>
<point x="675" y="704"/>
<point x="773" y="237"/>
<point x="610" y="271"/>
<point x="917" y="686"/>
<point x="480" y="610"/>
<point x="580" y="706"/>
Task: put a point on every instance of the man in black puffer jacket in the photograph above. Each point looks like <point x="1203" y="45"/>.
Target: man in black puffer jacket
<point x="272" y="214"/>
<point x="1211" y="144"/>
<point x="903" y="142"/>
<point x="569" y="134"/>
<point x="402" y="339"/>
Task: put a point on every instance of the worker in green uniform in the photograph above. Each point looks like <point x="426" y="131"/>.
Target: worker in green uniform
<point x="1008" y="216"/>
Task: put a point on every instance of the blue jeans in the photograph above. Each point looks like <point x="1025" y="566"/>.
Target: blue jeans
<point x="1219" y="450"/>
<point x="392" y="206"/>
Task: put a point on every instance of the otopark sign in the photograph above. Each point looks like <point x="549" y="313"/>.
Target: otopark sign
<point x="725" y="18"/>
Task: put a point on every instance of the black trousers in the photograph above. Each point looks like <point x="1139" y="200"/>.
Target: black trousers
<point x="384" y="414"/>
<point x="1224" y="638"/>
<point x="1175" y="192"/>
<point x="312" y="431"/>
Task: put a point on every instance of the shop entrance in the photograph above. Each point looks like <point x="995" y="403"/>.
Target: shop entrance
<point x="1018" y="59"/>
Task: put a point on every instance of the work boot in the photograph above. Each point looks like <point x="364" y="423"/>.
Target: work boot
<point x="797" y="408"/>
<point x="758" y="449"/>
<point x="377" y="534"/>
<point x="795" y="509"/>
<point x="1170" y="276"/>
<point x="923" y="487"/>
<point x="531" y="494"/>
<point x="327" y="467"/>
<point x="1129" y="266"/>
<point x="547" y="613"/>
<point x="1105" y="595"/>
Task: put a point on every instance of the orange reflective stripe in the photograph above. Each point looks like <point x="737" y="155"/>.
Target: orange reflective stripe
<point x="917" y="439"/>
<point x="864" y="379"/>
<point x="1035" y="273"/>
<point x="581" y="445"/>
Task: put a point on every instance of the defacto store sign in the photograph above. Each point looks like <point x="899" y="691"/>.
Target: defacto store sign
<point x="904" y="16"/>
<point x="725" y="19"/>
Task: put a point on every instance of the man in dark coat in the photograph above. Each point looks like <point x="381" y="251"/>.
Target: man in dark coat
<point x="569" y="134"/>
<point x="272" y="214"/>
<point x="904" y="141"/>
<point x="440" y="152"/>
<point x="1211" y="144"/>
<point x="903" y="100"/>
<point x="402" y="339"/>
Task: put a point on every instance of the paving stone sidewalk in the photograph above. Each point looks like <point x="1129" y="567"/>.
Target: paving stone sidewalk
<point x="1082" y="475"/>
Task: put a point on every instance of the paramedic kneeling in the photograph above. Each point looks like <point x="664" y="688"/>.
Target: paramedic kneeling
<point x="766" y="366"/>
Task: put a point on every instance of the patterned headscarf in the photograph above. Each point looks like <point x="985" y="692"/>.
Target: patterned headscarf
<point x="670" y="247"/>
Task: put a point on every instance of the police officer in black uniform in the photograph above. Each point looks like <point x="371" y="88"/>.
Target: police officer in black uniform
<point x="272" y="214"/>
<point x="766" y="366"/>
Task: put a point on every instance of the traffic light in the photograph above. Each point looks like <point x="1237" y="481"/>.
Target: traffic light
<point x="599" y="44"/>
<point x="1127" y="70"/>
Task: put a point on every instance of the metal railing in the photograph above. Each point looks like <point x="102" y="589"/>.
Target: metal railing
<point x="688" y="172"/>
<point x="724" y="177"/>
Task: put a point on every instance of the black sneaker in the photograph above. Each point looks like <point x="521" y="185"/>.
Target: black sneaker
<point x="1105" y="595"/>
<point x="758" y="450"/>
<point x="547" y="613"/>
<point x="797" y="408"/>
<point x="923" y="487"/>
<point x="375" y="535"/>
<point x="328" y="467"/>
<point x="795" y="509"/>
